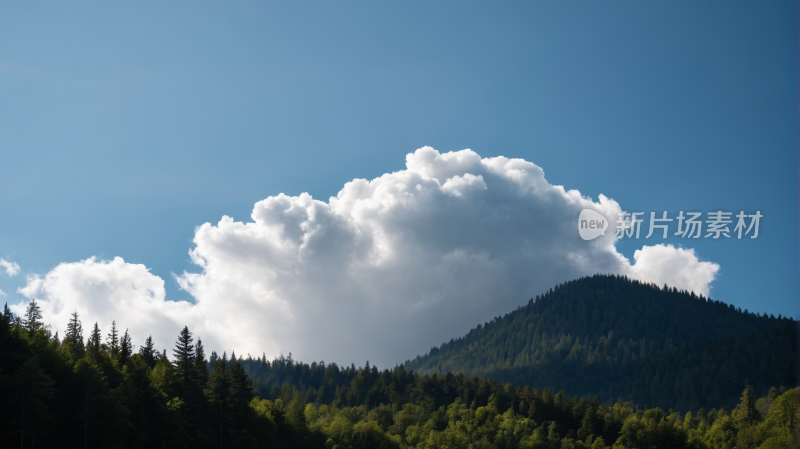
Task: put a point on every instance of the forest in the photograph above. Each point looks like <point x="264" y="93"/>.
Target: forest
<point x="95" y="390"/>
<point x="622" y="339"/>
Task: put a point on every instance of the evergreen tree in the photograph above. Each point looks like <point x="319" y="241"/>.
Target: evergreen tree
<point x="29" y="386"/>
<point x="8" y="317"/>
<point x="75" y="330"/>
<point x="747" y="412"/>
<point x="95" y="340"/>
<point x="240" y="391"/>
<point x="212" y="360"/>
<point x="532" y="411"/>
<point x="125" y="349"/>
<point x="218" y="391"/>
<point x="73" y="338"/>
<point x="113" y="340"/>
<point x="200" y="363"/>
<point x="587" y="425"/>
<point x="148" y="352"/>
<point x="184" y="355"/>
<point x="33" y="317"/>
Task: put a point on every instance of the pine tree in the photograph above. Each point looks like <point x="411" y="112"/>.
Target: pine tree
<point x="241" y="392"/>
<point x="184" y="355"/>
<point x="587" y="425"/>
<point x="33" y="317"/>
<point x="148" y="352"/>
<point x="113" y="340"/>
<point x="532" y="411"/>
<point x="73" y="337"/>
<point x="8" y="317"/>
<point x="748" y="410"/>
<point x="200" y="363"/>
<point x="125" y="349"/>
<point x="218" y="391"/>
<point x="75" y="330"/>
<point x="213" y="360"/>
<point x="27" y="387"/>
<point x="95" y="341"/>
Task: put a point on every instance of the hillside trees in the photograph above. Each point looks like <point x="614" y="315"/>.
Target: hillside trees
<point x="618" y="338"/>
<point x="52" y="394"/>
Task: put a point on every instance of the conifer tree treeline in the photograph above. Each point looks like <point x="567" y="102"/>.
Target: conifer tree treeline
<point x="99" y="393"/>
<point x="619" y="338"/>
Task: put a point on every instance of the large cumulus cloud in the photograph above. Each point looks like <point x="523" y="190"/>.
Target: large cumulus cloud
<point x="384" y="270"/>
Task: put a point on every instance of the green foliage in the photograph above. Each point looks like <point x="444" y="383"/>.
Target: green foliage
<point x="184" y="356"/>
<point x="113" y="341"/>
<point x="33" y="317"/>
<point x="60" y="394"/>
<point x="125" y="349"/>
<point x="621" y="339"/>
<point x="148" y="352"/>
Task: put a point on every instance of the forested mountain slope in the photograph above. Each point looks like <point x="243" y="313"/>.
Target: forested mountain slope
<point x="619" y="338"/>
<point x="99" y="393"/>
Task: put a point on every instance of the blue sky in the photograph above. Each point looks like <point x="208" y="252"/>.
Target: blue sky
<point x="124" y="127"/>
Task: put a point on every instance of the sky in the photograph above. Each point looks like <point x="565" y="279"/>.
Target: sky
<point x="170" y="165"/>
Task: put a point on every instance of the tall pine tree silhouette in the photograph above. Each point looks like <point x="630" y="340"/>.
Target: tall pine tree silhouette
<point x="113" y="340"/>
<point x="148" y="352"/>
<point x="125" y="349"/>
<point x="95" y="340"/>
<point x="33" y="317"/>
<point x="184" y="355"/>
<point x="8" y="317"/>
<point x="75" y="330"/>
<point x="200" y="363"/>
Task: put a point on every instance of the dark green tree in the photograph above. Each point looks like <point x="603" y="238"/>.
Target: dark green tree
<point x="94" y="345"/>
<point x="587" y="425"/>
<point x="184" y="356"/>
<point x="113" y="340"/>
<point x="29" y="387"/>
<point x="125" y="349"/>
<point x="746" y="412"/>
<point x="241" y="391"/>
<point x="33" y="317"/>
<point x="73" y="343"/>
<point x="144" y="403"/>
<point x="8" y="317"/>
<point x="149" y="353"/>
<point x="200" y="363"/>
<point x="74" y="330"/>
<point x="218" y="391"/>
<point x="212" y="360"/>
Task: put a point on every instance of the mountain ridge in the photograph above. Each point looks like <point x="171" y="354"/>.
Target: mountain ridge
<point x="621" y="338"/>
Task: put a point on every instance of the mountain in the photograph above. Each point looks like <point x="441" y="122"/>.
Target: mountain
<point x="623" y="339"/>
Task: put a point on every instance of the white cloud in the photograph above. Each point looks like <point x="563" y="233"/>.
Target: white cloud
<point x="12" y="268"/>
<point x="2" y="293"/>
<point x="103" y="291"/>
<point x="677" y="267"/>
<point x="382" y="271"/>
